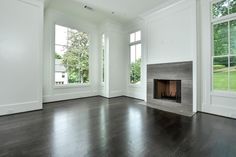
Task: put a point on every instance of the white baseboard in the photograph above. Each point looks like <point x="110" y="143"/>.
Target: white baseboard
<point x="20" y="107"/>
<point x="136" y="95"/>
<point x="68" y="96"/>
<point x="116" y="93"/>
<point x="219" y="110"/>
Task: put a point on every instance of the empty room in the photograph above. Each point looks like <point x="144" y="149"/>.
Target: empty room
<point x="118" y="78"/>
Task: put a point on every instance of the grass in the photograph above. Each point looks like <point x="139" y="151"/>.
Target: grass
<point x="221" y="80"/>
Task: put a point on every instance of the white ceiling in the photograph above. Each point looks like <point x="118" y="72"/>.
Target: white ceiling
<point x="128" y="9"/>
<point x="124" y="10"/>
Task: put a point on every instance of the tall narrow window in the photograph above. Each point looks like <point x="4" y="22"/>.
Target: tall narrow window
<point x="224" y="45"/>
<point x="135" y="57"/>
<point x="103" y="58"/>
<point x="71" y="56"/>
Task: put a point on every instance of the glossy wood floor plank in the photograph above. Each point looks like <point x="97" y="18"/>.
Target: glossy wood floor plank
<point x="96" y="126"/>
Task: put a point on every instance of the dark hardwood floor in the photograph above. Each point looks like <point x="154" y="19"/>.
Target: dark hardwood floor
<point x="99" y="127"/>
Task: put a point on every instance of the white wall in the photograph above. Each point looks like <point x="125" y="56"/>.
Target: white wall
<point x="220" y="103"/>
<point x="116" y="62"/>
<point x="50" y="92"/>
<point x="20" y="55"/>
<point x="169" y="35"/>
<point x="115" y="57"/>
<point x="172" y="33"/>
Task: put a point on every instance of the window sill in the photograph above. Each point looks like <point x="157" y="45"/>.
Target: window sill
<point x="71" y="86"/>
<point x="137" y="85"/>
<point x="227" y="94"/>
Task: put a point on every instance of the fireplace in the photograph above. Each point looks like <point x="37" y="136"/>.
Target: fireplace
<point x="170" y="87"/>
<point x="167" y="90"/>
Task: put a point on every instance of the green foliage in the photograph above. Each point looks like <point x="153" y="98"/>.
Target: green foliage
<point x="224" y="7"/>
<point x="221" y="30"/>
<point x="135" y="71"/>
<point x="57" y="56"/>
<point x="220" y="8"/>
<point x="217" y="67"/>
<point x="76" y="59"/>
<point x="220" y="81"/>
<point x="223" y="61"/>
<point x="232" y="6"/>
<point x="233" y="37"/>
<point x="221" y="39"/>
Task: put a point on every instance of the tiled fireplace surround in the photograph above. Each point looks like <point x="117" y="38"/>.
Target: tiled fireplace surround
<point x="172" y="71"/>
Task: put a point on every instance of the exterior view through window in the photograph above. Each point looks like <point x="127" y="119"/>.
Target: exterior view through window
<point x="71" y="56"/>
<point x="224" y="45"/>
<point x="135" y="57"/>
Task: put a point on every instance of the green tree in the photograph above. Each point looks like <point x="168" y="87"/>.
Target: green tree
<point x="76" y="58"/>
<point x="57" y="56"/>
<point x="135" y="71"/>
<point x="220" y="8"/>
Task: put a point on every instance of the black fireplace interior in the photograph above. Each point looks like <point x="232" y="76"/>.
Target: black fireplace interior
<point x="167" y="90"/>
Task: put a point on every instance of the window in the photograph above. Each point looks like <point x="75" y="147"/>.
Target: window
<point x="224" y="45"/>
<point x="135" y="57"/>
<point x="103" y="58"/>
<point x="71" y="56"/>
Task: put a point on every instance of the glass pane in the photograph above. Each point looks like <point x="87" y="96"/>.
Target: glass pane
<point x="60" y="50"/>
<point x="220" y="9"/>
<point x="132" y="37"/>
<point x="138" y="36"/>
<point x="71" y="56"/>
<point x="232" y="6"/>
<point x="232" y="78"/>
<point x="138" y="51"/>
<point x="221" y="39"/>
<point x="61" y="35"/>
<point x="220" y="73"/>
<point x="135" y="58"/>
<point x="132" y="54"/>
<point x="233" y="37"/>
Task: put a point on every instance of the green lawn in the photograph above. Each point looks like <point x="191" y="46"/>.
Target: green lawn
<point x="221" y="81"/>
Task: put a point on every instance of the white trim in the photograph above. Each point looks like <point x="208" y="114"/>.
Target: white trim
<point x="72" y="85"/>
<point x="20" y="107"/>
<point x="226" y="94"/>
<point x="224" y="19"/>
<point x="135" y="43"/>
<point x="68" y="96"/>
<point x="136" y="85"/>
<point x="34" y="3"/>
<point x="160" y="8"/>
<point x="215" y="1"/>
<point x="227" y="18"/>
<point x="116" y="93"/>
<point x="137" y="95"/>
<point x="102" y="57"/>
<point x="219" y="110"/>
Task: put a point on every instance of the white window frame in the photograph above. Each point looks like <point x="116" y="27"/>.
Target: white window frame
<point x="132" y="44"/>
<point x="214" y="21"/>
<point x="72" y="85"/>
<point x="103" y="54"/>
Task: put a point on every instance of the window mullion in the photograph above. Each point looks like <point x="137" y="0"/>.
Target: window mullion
<point x="229" y="44"/>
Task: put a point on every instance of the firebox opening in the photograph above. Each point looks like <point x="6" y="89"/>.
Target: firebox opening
<point x="167" y="90"/>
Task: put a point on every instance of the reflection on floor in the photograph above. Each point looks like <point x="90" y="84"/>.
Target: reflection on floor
<point x="114" y="127"/>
